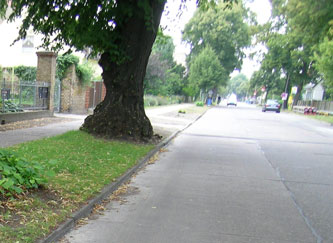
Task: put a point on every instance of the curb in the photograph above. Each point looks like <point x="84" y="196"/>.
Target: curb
<point x="108" y="190"/>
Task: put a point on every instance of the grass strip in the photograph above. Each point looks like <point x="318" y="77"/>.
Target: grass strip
<point x="83" y="166"/>
<point x="328" y="119"/>
<point x="323" y="118"/>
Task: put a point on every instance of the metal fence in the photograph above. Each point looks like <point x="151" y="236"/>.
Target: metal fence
<point x="26" y="95"/>
<point x="57" y="95"/>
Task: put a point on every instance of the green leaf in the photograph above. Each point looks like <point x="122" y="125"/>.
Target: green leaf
<point x="8" y="183"/>
<point x="17" y="189"/>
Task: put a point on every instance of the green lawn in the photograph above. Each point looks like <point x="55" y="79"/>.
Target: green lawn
<point x="83" y="166"/>
<point x="324" y="118"/>
<point x="328" y="119"/>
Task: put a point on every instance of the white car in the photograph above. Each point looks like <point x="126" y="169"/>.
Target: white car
<point x="232" y="100"/>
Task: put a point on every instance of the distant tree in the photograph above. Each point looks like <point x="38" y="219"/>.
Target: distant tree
<point x="154" y="82"/>
<point x="269" y="80"/>
<point x="287" y="59"/>
<point x="206" y="72"/>
<point x="165" y="47"/>
<point x="226" y="31"/>
<point x="163" y="75"/>
<point x="239" y="85"/>
<point x="176" y="79"/>
<point x="324" y="60"/>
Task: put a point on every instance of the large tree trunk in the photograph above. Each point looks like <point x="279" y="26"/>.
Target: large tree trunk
<point x="121" y="114"/>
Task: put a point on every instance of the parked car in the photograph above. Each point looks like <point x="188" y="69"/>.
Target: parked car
<point x="232" y="100"/>
<point x="271" y="105"/>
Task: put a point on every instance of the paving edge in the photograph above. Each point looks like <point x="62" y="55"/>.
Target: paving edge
<point x="108" y="190"/>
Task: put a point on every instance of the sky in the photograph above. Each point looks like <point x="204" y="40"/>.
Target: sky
<point x="174" y="26"/>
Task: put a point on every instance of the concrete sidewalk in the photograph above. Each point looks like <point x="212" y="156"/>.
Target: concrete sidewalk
<point x="165" y="121"/>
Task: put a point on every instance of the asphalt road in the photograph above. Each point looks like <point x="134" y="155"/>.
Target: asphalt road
<point x="236" y="175"/>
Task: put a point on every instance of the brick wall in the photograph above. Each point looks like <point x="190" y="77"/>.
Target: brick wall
<point x="73" y="94"/>
<point x="46" y="70"/>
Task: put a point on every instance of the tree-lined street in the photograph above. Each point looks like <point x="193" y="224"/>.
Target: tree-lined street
<point x="236" y="175"/>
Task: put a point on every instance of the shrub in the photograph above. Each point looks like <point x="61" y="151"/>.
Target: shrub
<point x="176" y="99"/>
<point x="150" y="100"/>
<point x="9" y="106"/>
<point x="83" y="71"/>
<point x="162" y="101"/>
<point x="18" y="175"/>
<point x="199" y="103"/>
<point x="26" y="73"/>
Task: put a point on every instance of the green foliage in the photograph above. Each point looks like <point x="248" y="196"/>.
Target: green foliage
<point x="17" y="175"/>
<point x="165" y="47"/>
<point x="163" y="76"/>
<point x="309" y="19"/>
<point x="162" y="100"/>
<point x="206" y="72"/>
<point x="199" y="103"/>
<point x="298" y="42"/>
<point x="25" y="73"/>
<point x="83" y="165"/>
<point x="63" y="63"/>
<point x="150" y="100"/>
<point x="83" y="71"/>
<point x="240" y="85"/>
<point x="324" y="61"/>
<point x="226" y="31"/>
<point x="9" y="106"/>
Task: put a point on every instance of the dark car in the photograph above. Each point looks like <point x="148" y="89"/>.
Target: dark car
<point x="271" y="105"/>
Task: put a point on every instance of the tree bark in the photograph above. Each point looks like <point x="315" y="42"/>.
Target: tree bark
<point x="121" y="114"/>
<point x="298" y="94"/>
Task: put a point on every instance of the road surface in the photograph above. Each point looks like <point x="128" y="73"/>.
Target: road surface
<point x="236" y="175"/>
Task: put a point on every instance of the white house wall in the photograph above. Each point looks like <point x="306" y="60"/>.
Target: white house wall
<point x="14" y="55"/>
<point x="318" y="92"/>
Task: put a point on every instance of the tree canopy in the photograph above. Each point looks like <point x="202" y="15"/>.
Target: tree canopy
<point x="206" y="72"/>
<point x="225" y="30"/>
<point x="298" y="39"/>
<point x="164" y="76"/>
<point x="217" y="38"/>
<point x="122" y="33"/>
<point x="239" y="85"/>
